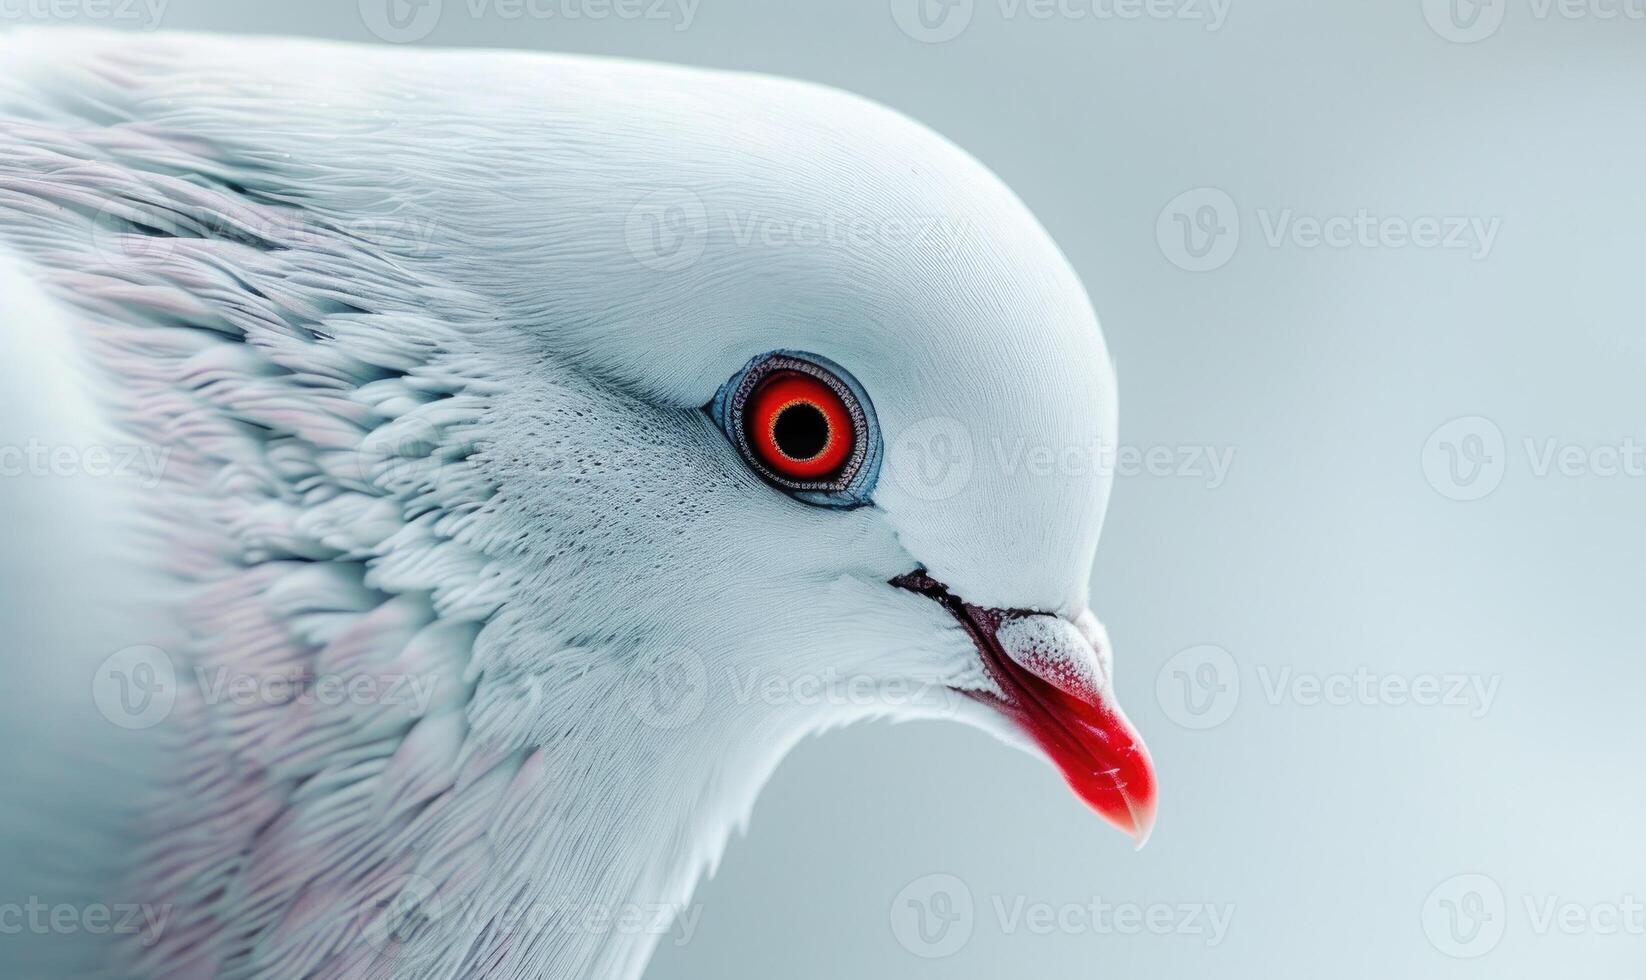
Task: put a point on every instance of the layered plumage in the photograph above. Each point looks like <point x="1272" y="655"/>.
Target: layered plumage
<point x="430" y="405"/>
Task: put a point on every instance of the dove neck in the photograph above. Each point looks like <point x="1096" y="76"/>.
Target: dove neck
<point x="659" y="797"/>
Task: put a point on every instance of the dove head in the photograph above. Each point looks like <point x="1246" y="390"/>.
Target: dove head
<point x="707" y="410"/>
<point x="811" y="429"/>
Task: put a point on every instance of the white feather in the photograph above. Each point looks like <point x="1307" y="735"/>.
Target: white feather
<point x="427" y="419"/>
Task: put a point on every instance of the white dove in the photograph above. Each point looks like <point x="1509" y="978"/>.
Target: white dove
<point x="563" y="439"/>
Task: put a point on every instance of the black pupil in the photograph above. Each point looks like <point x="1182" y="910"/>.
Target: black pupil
<point x="801" y="431"/>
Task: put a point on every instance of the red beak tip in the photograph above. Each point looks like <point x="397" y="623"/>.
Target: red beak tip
<point x="1142" y="827"/>
<point x="1133" y="817"/>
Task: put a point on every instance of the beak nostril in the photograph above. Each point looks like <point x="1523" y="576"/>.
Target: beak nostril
<point x="1057" y="652"/>
<point x="1053" y="679"/>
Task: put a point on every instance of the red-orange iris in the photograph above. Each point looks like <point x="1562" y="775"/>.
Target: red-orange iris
<point x="799" y="426"/>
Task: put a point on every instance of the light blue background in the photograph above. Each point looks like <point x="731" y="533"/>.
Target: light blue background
<point x="1325" y="370"/>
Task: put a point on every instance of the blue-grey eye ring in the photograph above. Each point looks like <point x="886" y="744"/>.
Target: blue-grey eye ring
<point x="804" y="424"/>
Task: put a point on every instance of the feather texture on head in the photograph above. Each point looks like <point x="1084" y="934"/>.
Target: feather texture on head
<point x="428" y="339"/>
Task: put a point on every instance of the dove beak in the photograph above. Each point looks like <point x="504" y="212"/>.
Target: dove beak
<point x="1056" y="690"/>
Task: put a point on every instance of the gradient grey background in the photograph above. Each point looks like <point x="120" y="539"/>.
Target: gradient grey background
<point x="1334" y="543"/>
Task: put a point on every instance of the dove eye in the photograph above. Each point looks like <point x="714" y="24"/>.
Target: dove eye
<point x="803" y="424"/>
<point x="799" y="427"/>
